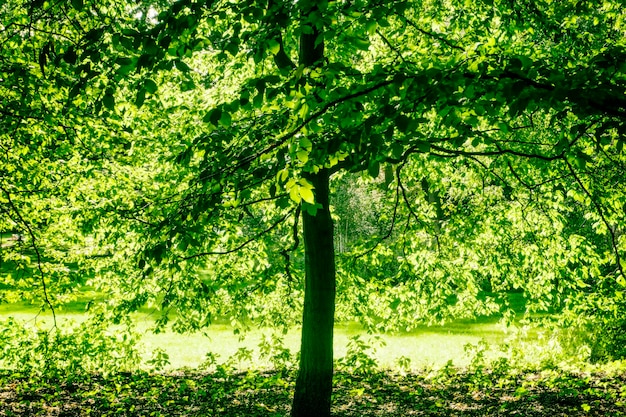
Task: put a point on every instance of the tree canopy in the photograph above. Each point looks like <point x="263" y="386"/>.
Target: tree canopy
<point x="178" y="153"/>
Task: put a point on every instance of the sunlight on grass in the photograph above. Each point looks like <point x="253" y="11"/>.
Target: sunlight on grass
<point x="426" y="347"/>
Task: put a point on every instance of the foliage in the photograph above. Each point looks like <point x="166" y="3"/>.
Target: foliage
<point x="68" y="352"/>
<point x="359" y="358"/>
<point x="163" y="153"/>
<point x="182" y="145"/>
<point x="594" y="328"/>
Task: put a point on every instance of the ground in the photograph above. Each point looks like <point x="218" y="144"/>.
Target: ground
<point x="190" y="393"/>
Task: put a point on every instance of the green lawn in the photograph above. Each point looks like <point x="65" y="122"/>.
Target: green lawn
<point x="425" y="347"/>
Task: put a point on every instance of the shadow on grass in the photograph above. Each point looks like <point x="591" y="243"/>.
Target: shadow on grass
<point x="269" y="394"/>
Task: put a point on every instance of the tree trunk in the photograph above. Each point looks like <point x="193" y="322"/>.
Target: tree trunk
<point x="315" y="376"/>
<point x="314" y="382"/>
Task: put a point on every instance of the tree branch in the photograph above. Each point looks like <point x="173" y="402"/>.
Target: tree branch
<point x="394" y="217"/>
<point x="31" y="233"/>
<point x="431" y="34"/>
<point x="496" y="153"/>
<point x="240" y="246"/>
<point x="600" y="212"/>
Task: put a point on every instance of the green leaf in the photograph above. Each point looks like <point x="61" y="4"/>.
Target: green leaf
<point x="305" y="143"/>
<point x="43" y="60"/>
<point x="183" y="245"/>
<point x="423" y="146"/>
<point x="283" y="202"/>
<point x="402" y="123"/>
<point x="257" y="101"/>
<point x="371" y="27"/>
<point x="109" y="101"/>
<point x="182" y="66"/>
<point x="126" y="65"/>
<point x="232" y="48"/>
<point x="78" y="5"/>
<point x="294" y="194"/>
<point x="213" y="117"/>
<point x="141" y="98"/>
<point x="273" y="46"/>
<point x="373" y="169"/>
<point x="150" y="86"/>
<point x="389" y="176"/>
<point x="225" y="119"/>
<point x="311" y="208"/>
<point x="305" y="183"/>
<point x="397" y="150"/>
<point x="187" y="85"/>
<point x="362" y="44"/>
<point x="303" y="156"/>
<point x="307" y="195"/>
<point x="70" y="55"/>
<point x="74" y="91"/>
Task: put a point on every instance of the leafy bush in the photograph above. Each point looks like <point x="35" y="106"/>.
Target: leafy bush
<point x="72" y="350"/>
<point x="273" y="349"/>
<point x="594" y="328"/>
<point x="359" y="358"/>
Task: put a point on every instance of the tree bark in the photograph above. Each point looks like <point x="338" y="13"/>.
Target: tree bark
<point x="314" y="382"/>
<point x="315" y="376"/>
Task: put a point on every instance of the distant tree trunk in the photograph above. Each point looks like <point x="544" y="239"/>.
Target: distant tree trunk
<point x="314" y="382"/>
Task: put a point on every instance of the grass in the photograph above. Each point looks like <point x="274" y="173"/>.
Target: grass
<point x="425" y="347"/>
<point x="184" y="389"/>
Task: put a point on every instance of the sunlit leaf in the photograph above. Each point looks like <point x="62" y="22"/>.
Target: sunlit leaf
<point x="273" y="46"/>
<point x="307" y="195"/>
<point x="303" y="156"/>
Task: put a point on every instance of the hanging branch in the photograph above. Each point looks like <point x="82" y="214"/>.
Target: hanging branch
<point x="31" y="233"/>
<point x="394" y="217"/>
<point x="242" y="245"/>
<point x="600" y="212"/>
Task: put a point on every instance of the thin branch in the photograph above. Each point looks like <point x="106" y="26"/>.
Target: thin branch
<point x="492" y="172"/>
<point x="391" y="46"/>
<point x="612" y="105"/>
<point x="393" y="222"/>
<point x="240" y="246"/>
<point x="283" y="139"/>
<point x="496" y="153"/>
<point x="408" y="203"/>
<point x="432" y="35"/>
<point x="45" y="31"/>
<point x="602" y="216"/>
<point x="35" y="247"/>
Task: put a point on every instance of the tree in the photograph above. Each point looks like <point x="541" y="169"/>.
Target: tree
<point x="201" y="127"/>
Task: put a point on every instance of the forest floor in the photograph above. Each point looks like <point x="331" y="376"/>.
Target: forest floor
<point x="189" y="393"/>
